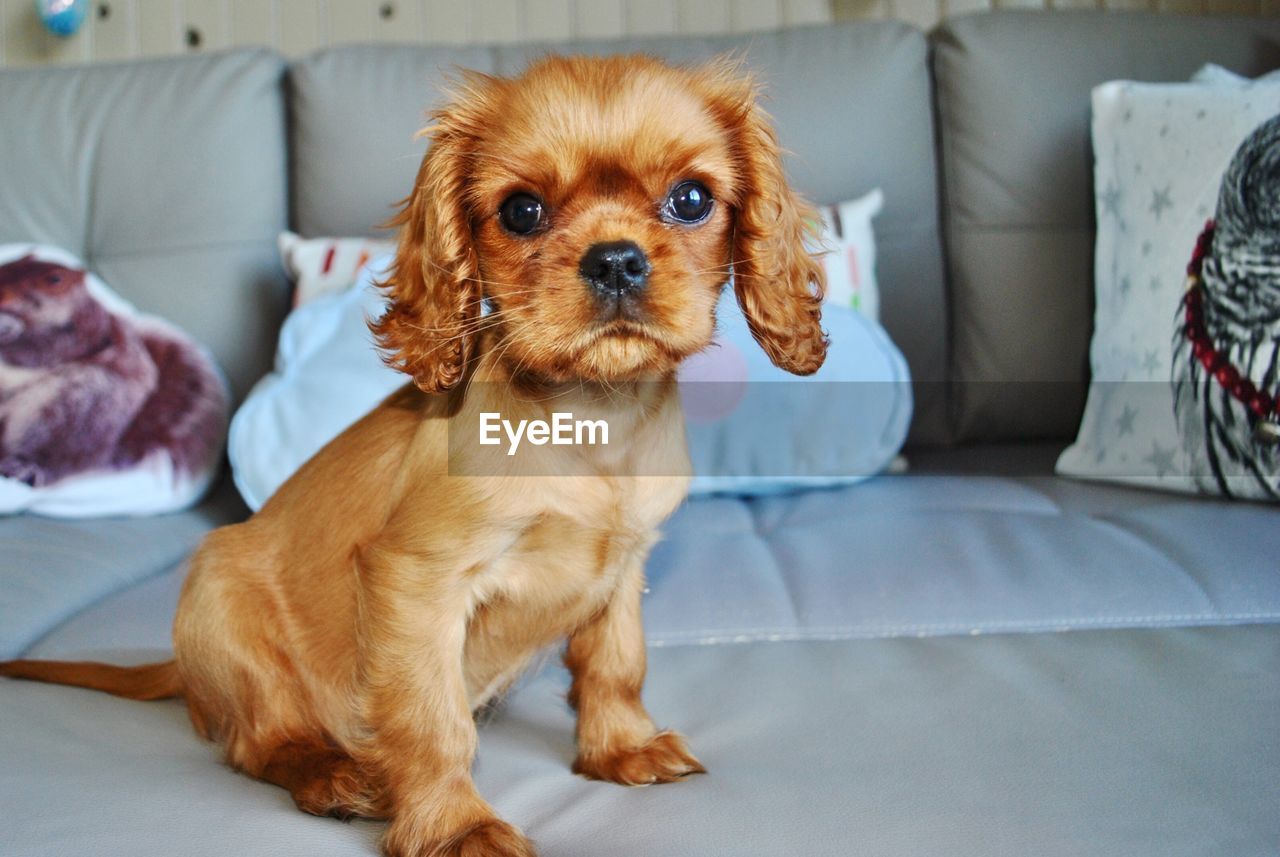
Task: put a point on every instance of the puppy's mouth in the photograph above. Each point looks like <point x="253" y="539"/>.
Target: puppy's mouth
<point x="624" y="310"/>
<point x="626" y="346"/>
<point x="624" y="327"/>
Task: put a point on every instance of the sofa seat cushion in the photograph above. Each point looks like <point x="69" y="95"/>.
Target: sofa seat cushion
<point x="975" y="542"/>
<point x="971" y="542"/>
<point x="1137" y="742"/>
<point x="1145" y="740"/>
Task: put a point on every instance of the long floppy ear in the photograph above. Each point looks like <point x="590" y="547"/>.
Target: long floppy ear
<point x="779" y="284"/>
<point x="428" y="328"/>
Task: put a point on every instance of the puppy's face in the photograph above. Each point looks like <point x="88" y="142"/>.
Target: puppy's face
<point x="599" y="206"/>
<point x="602" y="207"/>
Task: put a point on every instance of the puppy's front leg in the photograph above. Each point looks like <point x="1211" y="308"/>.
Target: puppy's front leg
<point x="617" y="740"/>
<point x="423" y="736"/>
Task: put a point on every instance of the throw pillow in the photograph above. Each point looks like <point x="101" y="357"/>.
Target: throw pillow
<point x="321" y="266"/>
<point x="1160" y="154"/>
<point x="1226" y="370"/>
<point x="849" y="253"/>
<point x="103" y="410"/>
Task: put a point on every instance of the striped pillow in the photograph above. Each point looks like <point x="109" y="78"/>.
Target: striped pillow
<point x="321" y="266"/>
<point x="849" y="253"/>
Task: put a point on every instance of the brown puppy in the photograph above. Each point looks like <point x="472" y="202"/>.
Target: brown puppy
<point x="339" y="641"/>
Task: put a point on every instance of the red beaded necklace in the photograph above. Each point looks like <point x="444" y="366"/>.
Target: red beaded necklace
<point x="1263" y="405"/>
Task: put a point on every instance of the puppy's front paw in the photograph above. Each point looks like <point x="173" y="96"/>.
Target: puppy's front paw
<point x="489" y="838"/>
<point x="664" y="758"/>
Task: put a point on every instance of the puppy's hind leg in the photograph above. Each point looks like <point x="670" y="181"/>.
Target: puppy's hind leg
<point x="323" y="779"/>
<point x="244" y="687"/>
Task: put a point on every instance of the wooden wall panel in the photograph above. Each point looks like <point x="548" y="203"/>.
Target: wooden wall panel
<point x="205" y="24"/>
<point x="806" y="11"/>
<point x="543" y="21"/>
<point x="749" y="15"/>
<point x="651" y="17"/>
<point x="703" y="16"/>
<point x="123" y="29"/>
<point x="389" y="20"/>
<point x="600" y="19"/>
<point x="298" y="29"/>
<point x="114" y="30"/>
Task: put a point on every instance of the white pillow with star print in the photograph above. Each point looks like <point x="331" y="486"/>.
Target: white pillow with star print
<point x="1160" y="151"/>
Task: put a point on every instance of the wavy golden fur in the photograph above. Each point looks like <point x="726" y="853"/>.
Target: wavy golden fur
<point x="339" y="641"/>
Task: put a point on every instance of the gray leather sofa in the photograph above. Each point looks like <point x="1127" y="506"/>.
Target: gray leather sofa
<point x="978" y="658"/>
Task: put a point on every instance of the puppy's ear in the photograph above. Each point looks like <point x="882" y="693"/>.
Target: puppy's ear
<point x="428" y="328"/>
<point x="778" y="283"/>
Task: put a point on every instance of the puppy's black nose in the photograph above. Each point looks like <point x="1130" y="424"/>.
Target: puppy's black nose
<point x="615" y="268"/>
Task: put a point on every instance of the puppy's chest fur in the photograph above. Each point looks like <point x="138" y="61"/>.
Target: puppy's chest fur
<point x="586" y="531"/>
<point x="559" y="568"/>
<point x="561" y="552"/>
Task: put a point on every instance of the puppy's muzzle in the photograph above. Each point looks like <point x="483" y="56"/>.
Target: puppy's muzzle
<point x="617" y="272"/>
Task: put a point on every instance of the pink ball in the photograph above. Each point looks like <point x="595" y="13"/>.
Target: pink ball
<point x="713" y="382"/>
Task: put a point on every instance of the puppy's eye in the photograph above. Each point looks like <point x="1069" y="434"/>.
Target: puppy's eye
<point x="688" y="202"/>
<point x="522" y="213"/>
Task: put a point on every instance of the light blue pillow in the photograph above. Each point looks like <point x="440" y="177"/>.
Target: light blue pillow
<point x="753" y="429"/>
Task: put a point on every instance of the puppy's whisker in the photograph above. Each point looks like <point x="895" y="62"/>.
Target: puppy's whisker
<point x="479" y="322"/>
<point x="493" y="355"/>
<point x="470" y="326"/>
<point x="464" y="334"/>
<point x="523" y="337"/>
<point x="725" y="268"/>
<point x="497" y="353"/>
<point x="519" y="288"/>
<point x="523" y="288"/>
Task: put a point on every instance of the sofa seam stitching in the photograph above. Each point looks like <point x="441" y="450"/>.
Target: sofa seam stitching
<point x="844" y="632"/>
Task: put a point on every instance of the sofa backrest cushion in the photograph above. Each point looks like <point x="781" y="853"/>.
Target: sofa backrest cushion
<point x="167" y="177"/>
<point x="1013" y="96"/>
<point x="851" y="103"/>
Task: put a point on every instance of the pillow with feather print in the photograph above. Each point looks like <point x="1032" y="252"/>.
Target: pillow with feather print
<point x="1164" y="156"/>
